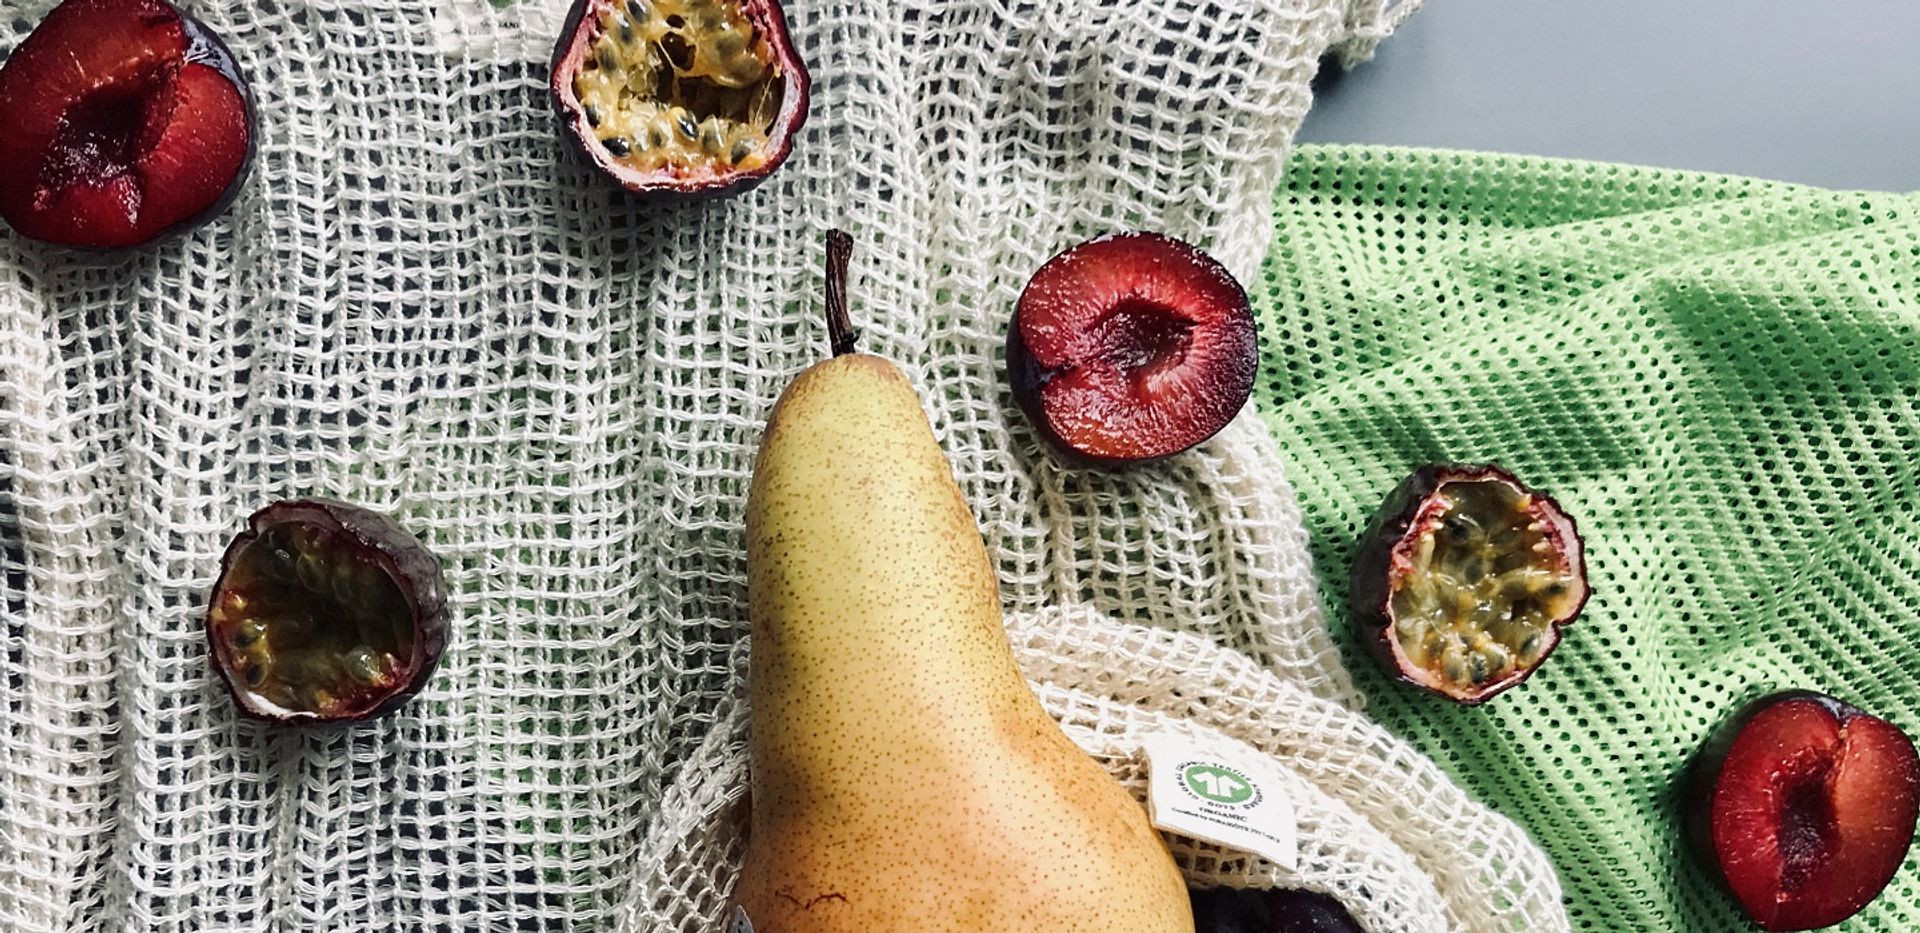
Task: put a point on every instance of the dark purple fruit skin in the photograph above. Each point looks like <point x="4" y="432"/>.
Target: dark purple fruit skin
<point x="204" y="47"/>
<point x="1229" y="910"/>
<point x="413" y="568"/>
<point x="1370" y="597"/>
<point x="768" y="20"/>
<point x="1703" y="773"/>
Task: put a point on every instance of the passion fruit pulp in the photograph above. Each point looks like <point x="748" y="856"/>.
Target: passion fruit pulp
<point x="1464" y="580"/>
<point x="680" y="97"/>
<point x="325" y="612"/>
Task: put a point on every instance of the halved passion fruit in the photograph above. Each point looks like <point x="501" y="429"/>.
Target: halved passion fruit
<point x="680" y="97"/>
<point x="325" y="612"/>
<point x="1465" y="578"/>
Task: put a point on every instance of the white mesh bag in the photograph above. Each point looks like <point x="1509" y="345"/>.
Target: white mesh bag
<point x="422" y="304"/>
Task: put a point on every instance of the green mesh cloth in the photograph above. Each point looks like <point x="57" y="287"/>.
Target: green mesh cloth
<point x="1719" y="377"/>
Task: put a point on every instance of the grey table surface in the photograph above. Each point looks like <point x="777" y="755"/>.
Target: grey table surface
<point x="1823" y="92"/>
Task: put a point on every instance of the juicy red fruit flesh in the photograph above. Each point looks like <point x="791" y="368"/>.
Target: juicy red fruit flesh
<point x="1810" y="809"/>
<point x="127" y="120"/>
<point x="1132" y="347"/>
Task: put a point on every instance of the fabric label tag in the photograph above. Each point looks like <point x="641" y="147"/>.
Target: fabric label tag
<point x="1224" y="793"/>
<point x="740" y="923"/>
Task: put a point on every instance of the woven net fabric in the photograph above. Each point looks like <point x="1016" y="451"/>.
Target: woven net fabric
<point x="421" y="304"/>
<point x="1720" y="379"/>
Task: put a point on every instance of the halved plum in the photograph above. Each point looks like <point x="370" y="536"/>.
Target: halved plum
<point x="680" y="97"/>
<point x="325" y="612"/>
<point x="125" y="120"/>
<point x="1464" y="580"/>
<point x="1804" y="807"/>
<point x="1132" y="347"/>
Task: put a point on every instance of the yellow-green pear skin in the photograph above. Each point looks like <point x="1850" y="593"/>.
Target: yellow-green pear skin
<point x="905" y="777"/>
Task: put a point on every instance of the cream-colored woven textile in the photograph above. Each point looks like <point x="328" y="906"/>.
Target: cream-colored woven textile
<point x="422" y="304"/>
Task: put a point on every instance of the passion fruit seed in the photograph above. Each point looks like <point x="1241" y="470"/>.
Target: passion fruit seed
<point x="695" y="67"/>
<point x="1468" y="605"/>
<point x="367" y="666"/>
<point x="248" y="632"/>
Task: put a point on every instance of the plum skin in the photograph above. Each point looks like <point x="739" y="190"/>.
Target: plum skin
<point x="413" y="568"/>
<point x="1370" y="592"/>
<point x="1280" y="910"/>
<point x="571" y="120"/>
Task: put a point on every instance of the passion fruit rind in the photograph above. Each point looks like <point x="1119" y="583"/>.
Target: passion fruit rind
<point x="409" y="577"/>
<point x="1474" y="673"/>
<point x="732" y="149"/>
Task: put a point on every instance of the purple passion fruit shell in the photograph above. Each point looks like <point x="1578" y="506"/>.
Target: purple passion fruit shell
<point x="325" y="612"/>
<point x="1464" y="580"/>
<point x="680" y="98"/>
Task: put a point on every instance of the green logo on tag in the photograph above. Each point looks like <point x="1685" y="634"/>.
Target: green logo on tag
<point x="1215" y="783"/>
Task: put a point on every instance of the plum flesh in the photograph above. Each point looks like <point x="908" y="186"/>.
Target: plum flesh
<point x="1804" y="807"/>
<point x="1130" y="348"/>
<point x="126" y="120"/>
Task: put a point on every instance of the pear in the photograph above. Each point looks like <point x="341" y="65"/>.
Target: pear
<point x="905" y="777"/>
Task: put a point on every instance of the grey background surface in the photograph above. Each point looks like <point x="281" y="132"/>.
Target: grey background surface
<point x="1824" y="92"/>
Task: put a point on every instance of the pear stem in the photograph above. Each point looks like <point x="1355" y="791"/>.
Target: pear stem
<point x="840" y="332"/>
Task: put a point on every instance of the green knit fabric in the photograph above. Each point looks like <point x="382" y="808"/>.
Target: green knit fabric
<point x="1718" y="377"/>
